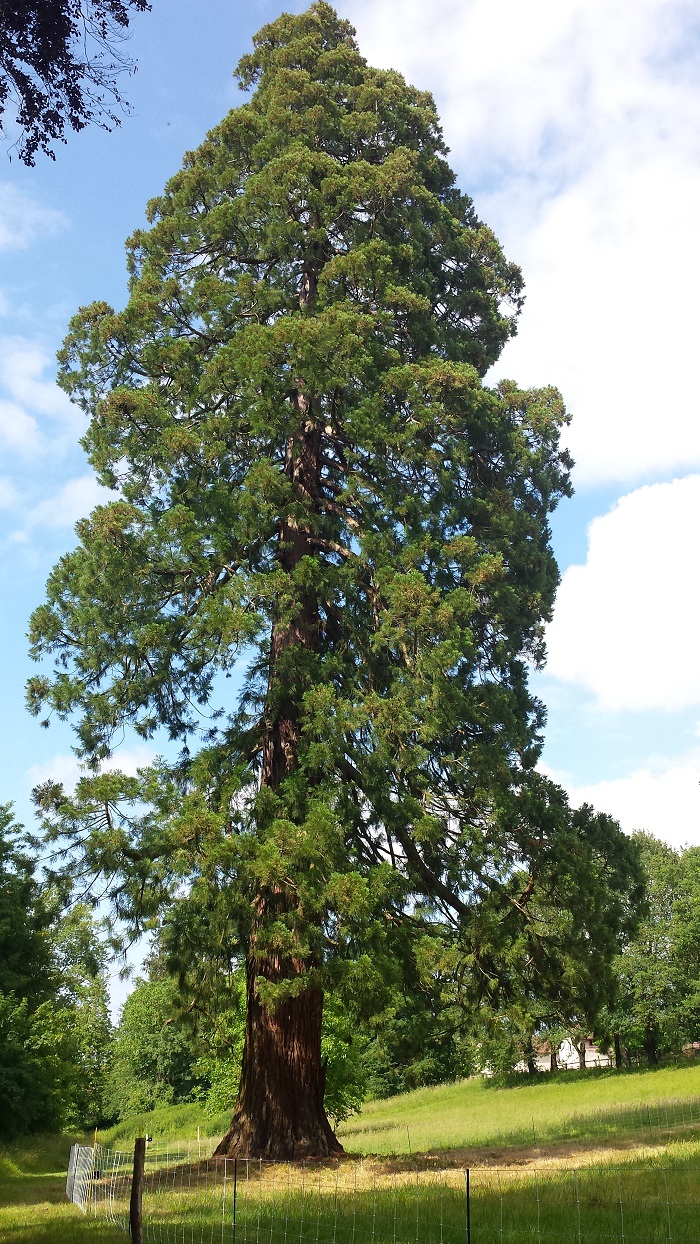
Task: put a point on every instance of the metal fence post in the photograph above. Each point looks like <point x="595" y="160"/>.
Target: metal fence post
<point x="136" y="1201"/>
<point x="235" y="1191"/>
<point x="469" y="1205"/>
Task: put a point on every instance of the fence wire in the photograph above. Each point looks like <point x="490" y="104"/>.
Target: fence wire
<point x="189" y="1199"/>
<point x="99" y="1182"/>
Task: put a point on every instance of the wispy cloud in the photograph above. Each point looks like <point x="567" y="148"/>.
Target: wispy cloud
<point x="18" y="430"/>
<point x="67" y="769"/>
<point x="36" y="417"/>
<point x="8" y="494"/>
<point x="23" y="363"/>
<point x="23" y="220"/>
<point x="74" y="500"/>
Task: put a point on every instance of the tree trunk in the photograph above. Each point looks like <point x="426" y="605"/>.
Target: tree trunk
<point x="553" y="1064"/>
<point x="581" y="1051"/>
<point x="651" y="1048"/>
<point x="618" y="1051"/>
<point x="279" y="1112"/>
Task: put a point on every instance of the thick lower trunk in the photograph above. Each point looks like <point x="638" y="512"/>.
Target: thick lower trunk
<point x="279" y="1112"/>
<point x="618" y="1052"/>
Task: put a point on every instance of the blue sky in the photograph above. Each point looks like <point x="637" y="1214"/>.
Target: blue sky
<point x="576" y="127"/>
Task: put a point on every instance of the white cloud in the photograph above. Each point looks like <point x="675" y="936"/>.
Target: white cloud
<point x="36" y="416"/>
<point x="22" y="364"/>
<point x="67" y="769"/>
<point x="24" y="221"/>
<point x="578" y="125"/>
<point x="74" y="500"/>
<point x="18" y="430"/>
<point x="625" y="623"/>
<point x="8" y="494"/>
<point x="611" y="315"/>
<point x="662" y="797"/>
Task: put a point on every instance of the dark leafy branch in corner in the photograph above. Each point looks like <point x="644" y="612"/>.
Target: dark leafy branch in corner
<point x="60" y="65"/>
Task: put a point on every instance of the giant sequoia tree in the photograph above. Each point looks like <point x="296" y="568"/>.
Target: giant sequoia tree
<point x="313" y="482"/>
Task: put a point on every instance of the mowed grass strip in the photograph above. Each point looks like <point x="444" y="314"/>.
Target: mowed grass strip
<point x="474" y="1113"/>
<point x="33" y="1208"/>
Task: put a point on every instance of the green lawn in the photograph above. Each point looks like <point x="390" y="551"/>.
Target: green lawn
<point x="33" y="1208"/>
<point x="475" y="1113"/>
<point x="644" y="1188"/>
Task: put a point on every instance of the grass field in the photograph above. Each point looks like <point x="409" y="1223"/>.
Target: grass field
<point x="474" y="1113"/>
<point x="33" y="1209"/>
<point x="615" y="1157"/>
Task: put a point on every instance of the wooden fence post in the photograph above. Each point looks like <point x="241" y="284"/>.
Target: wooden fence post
<point x="136" y="1202"/>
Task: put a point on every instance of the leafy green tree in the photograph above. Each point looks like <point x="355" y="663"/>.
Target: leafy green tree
<point x="314" y="483"/>
<point x="153" y="1056"/>
<point x="26" y="968"/>
<point x="656" y="1008"/>
<point x="54" y="1021"/>
<point x="80" y="961"/>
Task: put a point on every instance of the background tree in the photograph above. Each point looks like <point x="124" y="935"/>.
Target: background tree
<point x="54" y="1023"/>
<point x="656" y="1009"/>
<point x="154" y="1056"/>
<point x="60" y="64"/>
<point x="26" y="967"/>
<point x="313" y="481"/>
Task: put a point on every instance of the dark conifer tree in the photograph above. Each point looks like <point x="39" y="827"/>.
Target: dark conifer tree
<point x="315" y="482"/>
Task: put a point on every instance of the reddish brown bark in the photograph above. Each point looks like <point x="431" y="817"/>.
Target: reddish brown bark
<point x="279" y="1112"/>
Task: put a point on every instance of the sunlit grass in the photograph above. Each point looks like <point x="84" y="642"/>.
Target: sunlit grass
<point x="33" y="1208"/>
<point x="652" y="1191"/>
<point x="474" y="1113"/>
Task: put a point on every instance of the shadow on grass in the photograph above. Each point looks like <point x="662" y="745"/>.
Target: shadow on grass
<point x="33" y="1190"/>
<point x="62" y="1233"/>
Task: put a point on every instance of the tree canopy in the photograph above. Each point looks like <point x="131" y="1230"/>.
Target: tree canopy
<point x="54" y="1025"/>
<point x="60" y="64"/>
<point x="314" y="486"/>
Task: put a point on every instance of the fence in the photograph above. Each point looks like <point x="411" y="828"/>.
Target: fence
<point x="245" y="1201"/>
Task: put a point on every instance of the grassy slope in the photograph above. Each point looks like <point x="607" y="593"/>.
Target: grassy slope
<point x="474" y="1113"/>
<point x="32" y="1173"/>
<point x="464" y="1115"/>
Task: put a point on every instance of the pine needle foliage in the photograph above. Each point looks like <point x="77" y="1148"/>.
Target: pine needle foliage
<point x="314" y="484"/>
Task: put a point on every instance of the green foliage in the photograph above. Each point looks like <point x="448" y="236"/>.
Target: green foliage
<point x="153" y="1057"/>
<point x="54" y="1022"/>
<point x="26" y="968"/>
<point x="657" y="1002"/>
<point x="315" y="485"/>
<point x="344" y="1051"/>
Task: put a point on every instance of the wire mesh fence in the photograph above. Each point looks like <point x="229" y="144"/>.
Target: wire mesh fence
<point x="99" y="1182"/>
<point x="193" y="1200"/>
